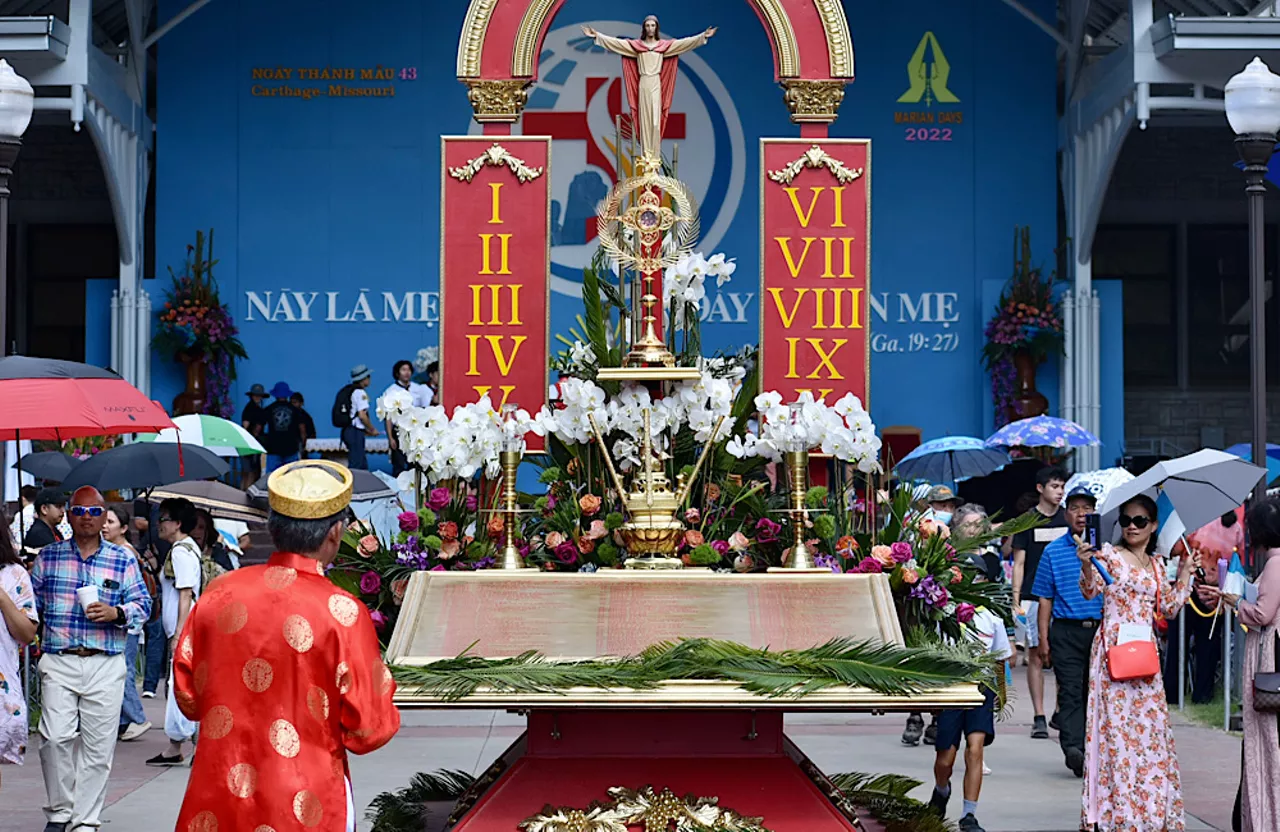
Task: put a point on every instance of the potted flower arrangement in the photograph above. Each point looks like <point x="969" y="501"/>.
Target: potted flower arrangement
<point x="1025" y="331"/>
<point x="196" y="328"/>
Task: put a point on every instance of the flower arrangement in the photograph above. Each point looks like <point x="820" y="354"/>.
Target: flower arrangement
<point x="80" y="447"/>
<point x="195" y="322"/>
<point x="1027" y="320"/>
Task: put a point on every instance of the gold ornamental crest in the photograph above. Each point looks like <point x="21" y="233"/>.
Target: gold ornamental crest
<point x="648" y="236"/>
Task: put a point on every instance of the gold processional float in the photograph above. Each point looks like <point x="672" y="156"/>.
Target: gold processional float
<point x="684" y="737"/>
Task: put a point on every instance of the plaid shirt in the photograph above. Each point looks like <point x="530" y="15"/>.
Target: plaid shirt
<point x="59" y="571"/>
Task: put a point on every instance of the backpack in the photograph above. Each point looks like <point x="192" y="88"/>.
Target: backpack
<point x="342" y="407"/>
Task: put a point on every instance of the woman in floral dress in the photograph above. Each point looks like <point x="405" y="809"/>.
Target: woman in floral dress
<point x="17" y="627"/>
<point x="1131" y="778"/>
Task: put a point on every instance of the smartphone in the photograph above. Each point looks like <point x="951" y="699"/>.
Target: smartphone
<point x="1093" y="531"/>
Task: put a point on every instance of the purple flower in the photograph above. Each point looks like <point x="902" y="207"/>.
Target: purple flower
<point x="721" y="547"/>
<point x="379" y="620"/>
<point x="551" y="501"/>
<point x="473" y="502"/>
<point x="901" y="552"/>
<point x="437" y="569"/>
<point x="869" y="565"/>
<point x="767" y="530"/>
<point x="408" y="521"/>
<point x="438" y="498"/>
<point x="829" y="562"/>
<point x="370" y="582"/>
<point x="931" y="592"/>
<point x="566" y="553"/>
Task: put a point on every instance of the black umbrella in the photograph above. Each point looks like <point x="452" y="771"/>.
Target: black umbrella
<point x="145" y="465"/>
<point x="365" y="486"/>
<point x="52" y="466"/>
<point x="221" y="500"/>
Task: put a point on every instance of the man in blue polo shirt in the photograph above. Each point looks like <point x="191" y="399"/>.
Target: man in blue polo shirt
<point x="1074" y="623"/>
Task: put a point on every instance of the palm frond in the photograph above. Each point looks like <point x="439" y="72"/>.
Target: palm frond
<point x="406" y="809"/>
<point x="884" y="668"/>
<point x="886" y="797"/>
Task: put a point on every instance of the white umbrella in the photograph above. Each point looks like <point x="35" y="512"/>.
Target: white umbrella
<point x="1198" y="487"/>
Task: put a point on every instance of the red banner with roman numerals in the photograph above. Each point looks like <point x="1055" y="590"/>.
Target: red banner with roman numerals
<point x="495" y="262"/>
<point x="815" y="267"/>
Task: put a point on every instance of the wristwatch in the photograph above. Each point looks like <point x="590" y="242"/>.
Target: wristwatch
<point x="121" y="619"/>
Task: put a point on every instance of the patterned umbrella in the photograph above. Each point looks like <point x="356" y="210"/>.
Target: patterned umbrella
<point x="1098" y="482"/>
<point x="950" y="459"/>
<point x="223" y="437"/>
<point x="1041" y="432"/>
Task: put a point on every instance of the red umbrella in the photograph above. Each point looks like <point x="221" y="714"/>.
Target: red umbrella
<point x="50" y="399"/>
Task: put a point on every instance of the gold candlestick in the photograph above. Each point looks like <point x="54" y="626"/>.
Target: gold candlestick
<point x="510" y="558"/>
<point x="798" y="469"/>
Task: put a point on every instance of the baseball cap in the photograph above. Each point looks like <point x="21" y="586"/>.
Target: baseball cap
<point x="941" y="494"/>
<point x="1081" y="491"/>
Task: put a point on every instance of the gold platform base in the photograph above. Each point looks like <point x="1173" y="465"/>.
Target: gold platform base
<point x="817" y="570"/>
<point x="654" y="563"/>
<point x="648" y="374"/>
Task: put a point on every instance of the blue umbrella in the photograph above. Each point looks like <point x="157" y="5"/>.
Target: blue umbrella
<point x="1041" y="432"/>
<point x="950" y="459"/>
<point x="1245" y="451"/>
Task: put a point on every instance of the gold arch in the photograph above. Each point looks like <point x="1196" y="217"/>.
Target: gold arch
<point x="839" y="42"/>
<point x="474" y="29"/>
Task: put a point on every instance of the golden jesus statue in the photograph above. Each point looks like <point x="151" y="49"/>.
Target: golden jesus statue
<point x="650" y="77"/>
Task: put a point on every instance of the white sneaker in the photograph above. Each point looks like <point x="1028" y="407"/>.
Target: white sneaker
<point x="148" y="694"/>
<point x="134" y="731"/>
<point x="985" y="770"/>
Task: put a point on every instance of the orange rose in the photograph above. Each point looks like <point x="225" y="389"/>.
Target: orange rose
<point x="910" y="576"/>
<point x="554" y="539"/>
<point x="713" y="492"/>
<point x="450" y="549"/>
<point x="589" y="503"/>
<point x="586" y="545"/>
<point x="693" y="538"/>
<point x="448" y="530"/>
<point x="398" y="587"/>
<point x="496" y="525"/>
<point x="883" y="554"/>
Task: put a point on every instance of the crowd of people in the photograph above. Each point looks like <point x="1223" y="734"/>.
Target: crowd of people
<point x="1075" y="604"/>
<point x="284" y="426"/>
<point x="113" y="586"/>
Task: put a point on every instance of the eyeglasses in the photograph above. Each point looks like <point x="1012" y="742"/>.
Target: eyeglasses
<point x="92" y="511"/>
<point x="1138" y="522"/>
<point x="164" y="519"/>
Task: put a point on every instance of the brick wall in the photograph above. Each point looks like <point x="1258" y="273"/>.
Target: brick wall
<point x="1177" y="416"/>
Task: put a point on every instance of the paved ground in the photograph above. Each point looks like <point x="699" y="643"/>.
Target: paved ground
<point x="1029" y="789"/>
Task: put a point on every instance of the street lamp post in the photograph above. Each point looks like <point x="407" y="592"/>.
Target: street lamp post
<point x="17" y="100"/>
<point x="1253" y="110"/>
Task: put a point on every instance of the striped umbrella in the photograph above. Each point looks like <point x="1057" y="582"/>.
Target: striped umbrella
<point x="222" y="437"/>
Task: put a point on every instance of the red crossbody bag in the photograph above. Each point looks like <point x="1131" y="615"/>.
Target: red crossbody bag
<point x="1135" y="659"/>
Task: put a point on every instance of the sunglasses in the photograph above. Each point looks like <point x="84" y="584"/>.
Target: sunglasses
<point x="1138" y="522"/>
<point x="91" y="511"/>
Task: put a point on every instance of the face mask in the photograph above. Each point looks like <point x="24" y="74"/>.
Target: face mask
<point x="943" y="517"/>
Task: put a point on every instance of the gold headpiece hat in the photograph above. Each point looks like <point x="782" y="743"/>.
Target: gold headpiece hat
<point x="309" y="489"/>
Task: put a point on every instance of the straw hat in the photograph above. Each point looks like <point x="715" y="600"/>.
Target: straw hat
<point x="309" y="489"/>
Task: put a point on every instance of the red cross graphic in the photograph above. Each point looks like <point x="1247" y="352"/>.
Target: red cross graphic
<point x="574" y="125"/>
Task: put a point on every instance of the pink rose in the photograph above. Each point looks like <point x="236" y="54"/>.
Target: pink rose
<point x="693" y="538"/>
<point x="956" y="575"/>
<point x="721" y="547"/>
<point x="449" y="549"/>
<point x="901" y="552"/>
<point x="739" y="542"/>
<point x="692" y="516"/>
<point x="368" y="545"/>
<point x="408" y="521"/>
<point x="554" y="540"/>
<point x="370" y="583"/>
<point x="596" y="531"/>
<point x="883" y="554"/>
<point x="964" y="612"/>
<point x="398" y="588"/>
<point x="438" y="499"/>
<point x="910" y="576"/>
